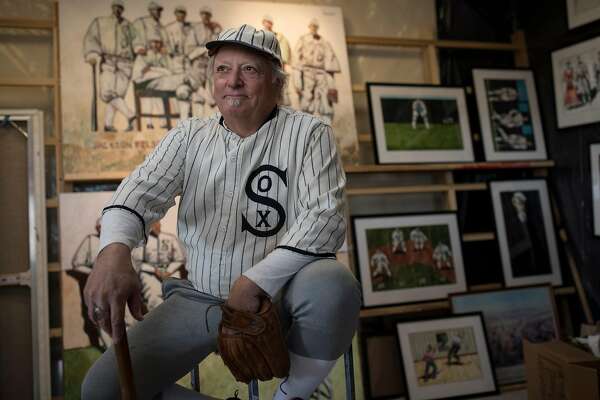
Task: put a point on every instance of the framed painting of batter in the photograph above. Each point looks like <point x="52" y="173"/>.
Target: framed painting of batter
<point x="446" y="358"/>
<point x="507" y="325"/>
<point x="408" y="258"/>
<point x="417" y="124"/>
<point x="525" y="232"/>
<point x="576" y="75"/>
<point x="509" y="114"/>
<point x="130" y="72"/>
<point x="595" y="174"/>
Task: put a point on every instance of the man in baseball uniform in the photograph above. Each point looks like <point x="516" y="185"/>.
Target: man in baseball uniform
<point x="398" y="244"/>
<point x="286" y="52"/>
<point x="380" y="264"/>
<point x="108" y="43"/>
<point x="149" y="27"/>
<point x="441" y="256"/>
<point x="418" y="238"/>
<point x="317" y="63"/>
<point x="419" y="110"/>
<point x="261" y="216"/>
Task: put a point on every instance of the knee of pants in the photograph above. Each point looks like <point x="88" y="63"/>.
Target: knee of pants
<point x="107" y="96"/>
<point x="101" y="381"/>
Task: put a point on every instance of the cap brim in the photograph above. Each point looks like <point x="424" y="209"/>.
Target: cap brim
<point x="213" y="45"/>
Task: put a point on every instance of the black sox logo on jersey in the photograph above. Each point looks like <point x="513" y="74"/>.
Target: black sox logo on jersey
<point x="263" y="185"/>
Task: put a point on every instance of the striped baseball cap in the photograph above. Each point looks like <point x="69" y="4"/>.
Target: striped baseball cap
<point x="248" y="36"/>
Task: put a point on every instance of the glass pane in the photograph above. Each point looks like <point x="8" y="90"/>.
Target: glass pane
<point x="54" y="299"/>
<point x="39" y="98"/>
<point x="13" y="201"/>
<point x="50" y="161"/>
<point x="16" y="377"/>
<point x="52" y="228"/>
<point x="26" y="53"/>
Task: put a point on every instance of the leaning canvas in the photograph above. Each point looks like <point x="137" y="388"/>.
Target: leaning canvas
<point x="129" y="76"/>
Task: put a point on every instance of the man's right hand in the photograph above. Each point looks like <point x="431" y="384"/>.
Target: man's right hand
<point x="112" y="283"/>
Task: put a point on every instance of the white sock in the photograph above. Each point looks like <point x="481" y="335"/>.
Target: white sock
<point x="305" y="375"/>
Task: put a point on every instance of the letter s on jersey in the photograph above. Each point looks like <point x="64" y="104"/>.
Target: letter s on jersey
<point x="264" y="184"/>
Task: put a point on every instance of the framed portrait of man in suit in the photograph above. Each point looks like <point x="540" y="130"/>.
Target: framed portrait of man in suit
<point x="525" y="232"/>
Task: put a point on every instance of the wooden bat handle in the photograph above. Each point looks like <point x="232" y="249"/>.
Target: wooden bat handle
<point x="125" y="369"/>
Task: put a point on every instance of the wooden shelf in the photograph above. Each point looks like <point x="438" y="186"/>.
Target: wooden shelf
<point x="52" y="202"/>
<point x="478" y="236"/>
<point x="369" y="191"/>
<point x="53" y="267"/>
<point x="488" y="165"/>
<point x="56" y="333"/>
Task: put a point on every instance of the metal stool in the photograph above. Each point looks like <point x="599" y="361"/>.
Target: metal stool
<point x="253" y="385"/>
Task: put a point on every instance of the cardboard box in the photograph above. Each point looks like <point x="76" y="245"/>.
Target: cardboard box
<point x="557" y="371"/>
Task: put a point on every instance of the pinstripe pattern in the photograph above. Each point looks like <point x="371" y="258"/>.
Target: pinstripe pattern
<point x="298" y="168"/>
<point x="247" y="35"/>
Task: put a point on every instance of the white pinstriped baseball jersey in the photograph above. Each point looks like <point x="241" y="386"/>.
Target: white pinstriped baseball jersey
<point x="241" y="198"/>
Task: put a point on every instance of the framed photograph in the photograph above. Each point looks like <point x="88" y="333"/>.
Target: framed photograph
<point x="576" y="75"/>
<point x="446" y="357"/>
<point x="416" y="124"/>
<point x="511" y="126"/>
<point x="581" y="12"/>
<point x="383" y="374"/>
<point x="509" y="316"/>
<point x="408" y="258"/>
<point x="525" y="232"/>
<point x="595" y="174"/>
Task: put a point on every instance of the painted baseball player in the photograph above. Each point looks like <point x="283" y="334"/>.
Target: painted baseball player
<point x="503" y="94"/>
<point x="455" y="345"/>
<point x="398" y="243"/>
<point x="149" y="27"/>
<point x="380" y="264"/>
<point x="316" y="63"/>
<point x="418" y="239"/>
<point x="178" y="31"/>
<point x="597" y="73"/>
<point x="261" y="215"/>
<point x="582" y="82"/>
<point x="202" y="32"/>
<point x="108" y="43"/>
<point x="419" y="110"/>
<point x="161" y="258"/>
<point x="286" y="53"/>
<point x="442" y="256"/>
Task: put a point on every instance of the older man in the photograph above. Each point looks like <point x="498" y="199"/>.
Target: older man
<point x="261" y="216"/>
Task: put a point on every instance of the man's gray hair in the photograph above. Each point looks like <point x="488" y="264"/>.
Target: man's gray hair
<point x="280" y="78"/>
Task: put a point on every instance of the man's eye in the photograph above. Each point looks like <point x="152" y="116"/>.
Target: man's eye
<point x="221" y="68"/>
<point x="250" y="68"/>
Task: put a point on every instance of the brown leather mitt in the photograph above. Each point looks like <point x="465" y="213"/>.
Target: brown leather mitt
<point x="254" y="347"/>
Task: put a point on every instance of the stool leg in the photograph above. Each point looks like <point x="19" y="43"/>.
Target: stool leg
<point x="195" y="377"/>
<point x="253" y="390"/>
<point x="349" y="370"/>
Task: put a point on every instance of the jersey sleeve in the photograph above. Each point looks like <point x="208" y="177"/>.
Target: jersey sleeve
<point x="148" y="192"/>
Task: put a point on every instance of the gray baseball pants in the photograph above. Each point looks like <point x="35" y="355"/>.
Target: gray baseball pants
<point x="318" y="308"/>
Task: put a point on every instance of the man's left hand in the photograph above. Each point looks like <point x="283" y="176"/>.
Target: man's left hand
<point x="245" y="295"/>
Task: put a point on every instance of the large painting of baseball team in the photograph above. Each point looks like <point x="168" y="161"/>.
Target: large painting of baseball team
<point x="576" y="71"/>
<point x="526" y="233"/>
<point x="160" y="258"/>
<point x="131" y="70"/>
<point x="507" y="326"/>
<point x="509" y="113"/>
<point x="404" y="259"/>
<point x="419" y="123"/>
<point x="446" y="357"/>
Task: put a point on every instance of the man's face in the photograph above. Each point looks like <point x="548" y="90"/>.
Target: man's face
<point x="155" y="45"/>
<point x="313" y="28"/>
<point x="180" y="16"/>
<point x="155" y="230"/>
<point x="117" y="11"/>
<point x="243" y="82"/>
<point x="205" y="17"/>
<point x="268" y="25"/>
<point x="155" y="13"/>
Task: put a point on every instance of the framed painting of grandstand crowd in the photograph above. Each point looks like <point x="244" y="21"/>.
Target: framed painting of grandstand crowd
<point x="525" y="232"/>
<point x="417" y="124"/>
<point x="576" y="75"/>
<point x="130" y="70"/>
<point x="507" y="325"/>
<point x="446" y="358"/>
<point x="509" y="115"/>
<point x="408" y="258"/>
<point x="80" y="227"/>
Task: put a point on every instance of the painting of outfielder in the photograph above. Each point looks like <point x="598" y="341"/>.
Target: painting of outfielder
<point x="131" y="70"/>
<point x="403" y="258"/>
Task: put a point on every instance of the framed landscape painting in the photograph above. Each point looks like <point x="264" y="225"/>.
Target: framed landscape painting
<point x="506" y="325"/>
<point x="416" y="124"/>
<point x="446" y="358"/>
<point x="408" y="258"/>
<point x="509" y="113"/>
<point x="525" y="232"/>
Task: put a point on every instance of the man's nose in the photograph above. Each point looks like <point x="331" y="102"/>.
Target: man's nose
<point x="235" y="78"/>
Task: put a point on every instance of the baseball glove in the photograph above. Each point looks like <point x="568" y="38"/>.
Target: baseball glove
<point x="252" y="345"/>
